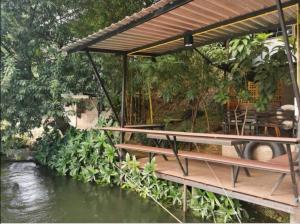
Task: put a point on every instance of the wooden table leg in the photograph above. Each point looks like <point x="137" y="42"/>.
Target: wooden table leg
<point x="157" y="143"/>
<point x="240" y="152"/>
<point x="175" y="151"/>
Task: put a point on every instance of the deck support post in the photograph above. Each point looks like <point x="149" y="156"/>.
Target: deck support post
<point x="293" y="175"/>
<point x="295" y="216"/>
<point x="101" y="82"/>
<point x="184" y="199"/>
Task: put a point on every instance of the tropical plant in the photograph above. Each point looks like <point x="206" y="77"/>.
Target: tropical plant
<point x="252" y="58"/>
<point x="146" y="183"/>
<point x="83" y="155"/>
<point x="210" y="206"/>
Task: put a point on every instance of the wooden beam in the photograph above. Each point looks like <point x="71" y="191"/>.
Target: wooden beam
<point x="283" y="140"/>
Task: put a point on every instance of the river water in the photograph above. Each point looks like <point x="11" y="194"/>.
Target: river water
<point x="30" y="193"/>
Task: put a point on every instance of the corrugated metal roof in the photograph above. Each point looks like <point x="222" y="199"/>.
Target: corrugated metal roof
<point x="159" y="29"/>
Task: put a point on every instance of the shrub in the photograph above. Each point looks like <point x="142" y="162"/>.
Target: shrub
<point x="219" y="208"/>
<point x="84" y="155"/>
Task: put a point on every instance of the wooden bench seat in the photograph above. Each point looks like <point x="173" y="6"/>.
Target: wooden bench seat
<point x="146" y="149"/>
<point x="225" y="142"/>
<point x="254" y="164"/>
<point x="277" y="165"/>
<point x="283" y="159"/>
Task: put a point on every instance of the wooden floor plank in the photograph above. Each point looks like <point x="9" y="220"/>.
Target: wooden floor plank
<point x="259" y="184"/>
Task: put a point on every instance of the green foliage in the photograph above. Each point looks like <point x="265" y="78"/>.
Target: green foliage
<point x="251" y="57"/>
<point x="34" y="73"/>
<point x="146" y="183"/>
<point x="204" y="204"/>
<point x="86" y="156"/>
<point x="83" y="155"/>
<point x="221" y="209"/>
<point x="10" y="142"/>
<point x="47" y="145"/>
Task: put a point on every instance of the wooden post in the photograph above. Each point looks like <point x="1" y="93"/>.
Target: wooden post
<point x="184" y="199"/>
<point x="295" y="217"/>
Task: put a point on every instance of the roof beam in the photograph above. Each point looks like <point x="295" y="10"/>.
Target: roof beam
<point x="216" y="25"/>
<point x="90" y="49"/>
<point x="170" y="6"/>
<point x="223" y="38"/>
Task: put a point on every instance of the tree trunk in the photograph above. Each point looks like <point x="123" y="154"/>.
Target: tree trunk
<point x="236" y="119"/>
<point x="206" y="116"/>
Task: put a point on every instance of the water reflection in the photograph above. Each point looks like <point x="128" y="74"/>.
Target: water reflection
<point x="34" y="194"/>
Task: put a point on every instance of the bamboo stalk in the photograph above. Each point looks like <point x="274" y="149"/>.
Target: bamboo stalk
<point x="150" y="104"/>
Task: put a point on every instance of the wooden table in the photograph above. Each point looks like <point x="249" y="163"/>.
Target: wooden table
<point x="283" y="140"/>
<point x="239" y="145"/>
<point x="145" y="126"/>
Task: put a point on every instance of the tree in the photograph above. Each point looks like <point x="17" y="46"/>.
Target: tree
<point x="34" y="73"/>
<point x="252" y="59"/>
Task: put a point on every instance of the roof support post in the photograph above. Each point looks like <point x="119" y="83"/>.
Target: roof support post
<point x="101" y="82"/>
<point x="288" y="53"/>
<point x="292" y="73"/>
<point x="125" y="74"/>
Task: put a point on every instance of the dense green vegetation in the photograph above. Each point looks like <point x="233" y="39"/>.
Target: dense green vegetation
<point x="35" y="74"/>
<point x="86" y="156"/>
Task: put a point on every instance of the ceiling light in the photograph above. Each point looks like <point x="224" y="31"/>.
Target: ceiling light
<point x="188" y="40"/>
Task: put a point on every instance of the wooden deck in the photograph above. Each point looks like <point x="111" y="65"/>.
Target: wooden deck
<point x="217" y="178"/>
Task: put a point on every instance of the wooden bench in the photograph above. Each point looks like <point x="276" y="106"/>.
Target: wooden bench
<point x="282" y="168"/>
<point x="226" y="142"/>
<point x="239" y="145"/>
<point x="271" y="166"/>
